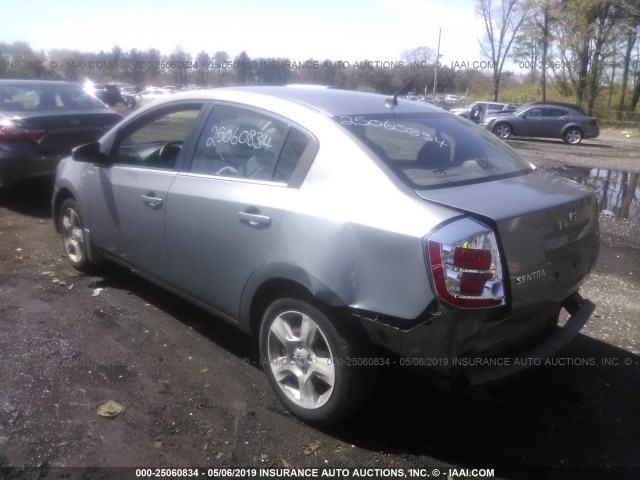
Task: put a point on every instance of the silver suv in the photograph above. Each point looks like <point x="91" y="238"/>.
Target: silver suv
<point x="331" y="223"/>
<point x="478" y="110"/>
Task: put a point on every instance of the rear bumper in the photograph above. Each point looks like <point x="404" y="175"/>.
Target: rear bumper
<point x="592" y="133"/>
<point x="480" y="378"/>
<point x="468" y="354"/>
<point x="23" y="168"/>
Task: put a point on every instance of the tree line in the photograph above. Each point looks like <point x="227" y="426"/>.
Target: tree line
<point x="581" y="49"/>
<point x="152" y="67"/>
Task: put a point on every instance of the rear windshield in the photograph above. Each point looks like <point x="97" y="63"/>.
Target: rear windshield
<point x="431" y="150"/>
<point x="40" y="98"/>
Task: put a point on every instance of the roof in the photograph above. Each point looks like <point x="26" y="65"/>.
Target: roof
<point x="20" y="82"/>
<point x="572" y="106"/>
<point x="331" y="101"/>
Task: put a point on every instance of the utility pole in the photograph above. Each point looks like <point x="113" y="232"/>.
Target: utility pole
<point x="436" y="66"/>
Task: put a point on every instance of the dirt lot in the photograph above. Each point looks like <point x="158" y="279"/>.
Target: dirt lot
<point x="195" y="396"/>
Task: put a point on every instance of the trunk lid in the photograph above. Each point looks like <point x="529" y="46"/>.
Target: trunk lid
<point x="61" y="131"/>
<point x="547" y="227"/>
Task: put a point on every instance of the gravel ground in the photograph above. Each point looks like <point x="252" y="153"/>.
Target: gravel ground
<point x="612" y="150"/>
<point x="193" y="394"/>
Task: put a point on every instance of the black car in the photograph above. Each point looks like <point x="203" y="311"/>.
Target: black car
<point x="129" y="95"/>
<point x="41" y="121"/>
<point x="109" y="94"/>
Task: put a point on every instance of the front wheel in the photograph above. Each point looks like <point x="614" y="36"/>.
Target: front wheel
<point x="316" y="370"/>
<point x="573" y="136"/>
<point x="74" y="238"/>
<point x="503" y="130"/>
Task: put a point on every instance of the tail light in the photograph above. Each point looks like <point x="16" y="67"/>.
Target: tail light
<point x="595" y="122"/>
<point x="10" y="132"/>
<point x="465" y="265"/>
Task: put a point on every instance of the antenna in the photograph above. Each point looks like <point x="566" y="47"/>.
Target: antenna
<point x="393" y="99"/>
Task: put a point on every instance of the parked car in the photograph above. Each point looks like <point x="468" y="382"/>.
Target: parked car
<point x="478" y="110"/>
<point x="135" y="97"/>
<point x="424" y="100"/>
<point x="151" y="93"/>
<point x="109" y="94"/>
<point x="129" y="94"/>
<point x="431" y="102"/>
<point x="41" y="121"/>
<point x="544" y="120"/>
<point x="334" y="225"/>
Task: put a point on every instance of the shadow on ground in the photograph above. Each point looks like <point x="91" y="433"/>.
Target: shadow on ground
<point x="580" y="411"/>
<point x="31" y="198"/>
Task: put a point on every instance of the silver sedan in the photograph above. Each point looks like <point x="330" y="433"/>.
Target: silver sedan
<point x="345" y="230"/>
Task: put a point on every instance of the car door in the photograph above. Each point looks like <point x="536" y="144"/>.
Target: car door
<point x="223" y="213"/>
<point x="531" y="123"/>
<point x="553" y="121"/>
<point x="129" y="193"/>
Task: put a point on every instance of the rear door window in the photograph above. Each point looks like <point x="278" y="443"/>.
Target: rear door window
<point x="245" y="144"/>
<point x="554" y="112"/>
<point x="46" y="97"/>
<point x="536" y="112"/>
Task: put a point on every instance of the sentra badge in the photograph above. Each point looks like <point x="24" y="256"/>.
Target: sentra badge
<point x="538" y="274"/>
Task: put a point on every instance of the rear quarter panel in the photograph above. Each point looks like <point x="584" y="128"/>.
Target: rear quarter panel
<point x="357" y="233"/>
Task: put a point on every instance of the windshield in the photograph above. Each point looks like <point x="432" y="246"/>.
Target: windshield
<point x="39" y="97"/>
<point x="431" y="150"/>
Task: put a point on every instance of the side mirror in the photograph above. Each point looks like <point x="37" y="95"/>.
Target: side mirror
<point x="89" y="152"/>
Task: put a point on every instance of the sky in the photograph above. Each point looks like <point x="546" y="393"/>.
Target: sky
<point x="347" y="30"/>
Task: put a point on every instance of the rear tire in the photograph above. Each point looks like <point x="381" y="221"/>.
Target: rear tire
<point x="573" y="136"/>
<point x="314" y="364"/>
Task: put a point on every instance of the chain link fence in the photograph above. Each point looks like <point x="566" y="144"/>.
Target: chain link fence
<point x="618" y="119"/>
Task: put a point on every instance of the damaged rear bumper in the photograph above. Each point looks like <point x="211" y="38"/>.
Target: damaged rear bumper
<point x="483" y="377"/>
<point x="438" y="343"/>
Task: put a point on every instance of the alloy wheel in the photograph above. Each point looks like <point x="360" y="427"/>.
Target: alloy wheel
<point x="72" y="236"/>
<point x="300" y="359"/>
<point x="503" y="131"/>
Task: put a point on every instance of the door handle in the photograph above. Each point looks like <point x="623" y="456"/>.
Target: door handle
<point x="151" y="201"/>
<point x="254" y="219"/>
